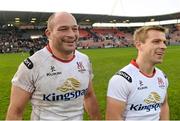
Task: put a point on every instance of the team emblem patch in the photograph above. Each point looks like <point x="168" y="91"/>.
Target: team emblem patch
<point x="154" y="97"/>
<point x="69" y="84"/>
<point x="80" y="67"/>
<point x="161" y="83"/>
<point x="28" y="63"/>
<point x="125" y="75"/>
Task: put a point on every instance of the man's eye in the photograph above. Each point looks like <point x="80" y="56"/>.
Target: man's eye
<point x="63" y="29"/>
<point x="75" y="28"/>
<point x="155" y="41"/>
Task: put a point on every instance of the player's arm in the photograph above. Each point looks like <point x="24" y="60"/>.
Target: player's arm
<point x="164" y="114"/>
<point x="91" y="104"/>
<point x="114" y="109"/>
<point x="18" y="100"/>
<point x="117" y="95"/>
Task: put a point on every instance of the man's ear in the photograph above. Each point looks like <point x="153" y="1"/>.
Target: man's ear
<point x="47" y="32"/>
<point x="137" y="44"/>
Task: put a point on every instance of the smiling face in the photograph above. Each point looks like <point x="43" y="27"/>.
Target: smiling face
<point x="63" y="32"/>
<point x="153" y="48"/>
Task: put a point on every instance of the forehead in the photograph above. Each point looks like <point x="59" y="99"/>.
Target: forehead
<point x="64" y="20"/>
<point x="155" y="34"/>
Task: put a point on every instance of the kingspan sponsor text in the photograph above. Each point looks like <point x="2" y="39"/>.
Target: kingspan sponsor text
<point x="66" y="97"/>
<point x="145" y="107"/>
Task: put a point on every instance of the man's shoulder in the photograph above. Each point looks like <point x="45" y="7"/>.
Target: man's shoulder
<point x="160" y="72"/>
<point x="128" y="69"/>
<point x="125" y="72"/>
<point x="36" y="59"/>
<point x="40" y="54"/>
<point x="158" y="69"/>
<point x="80" y="54"/>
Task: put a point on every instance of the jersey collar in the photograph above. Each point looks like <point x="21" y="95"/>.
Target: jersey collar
<point x="59" y="59"/>
<point x="133" y="62"/>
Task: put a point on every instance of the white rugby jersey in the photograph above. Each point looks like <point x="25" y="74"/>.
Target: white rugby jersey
<point x="143" y="95"/>
<point x="58" y="87"/>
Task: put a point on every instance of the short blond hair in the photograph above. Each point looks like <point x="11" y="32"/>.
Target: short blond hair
<point x="141" y="33"/>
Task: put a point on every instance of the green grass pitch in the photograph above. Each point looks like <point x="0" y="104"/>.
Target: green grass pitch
<point x="105" y="63"/>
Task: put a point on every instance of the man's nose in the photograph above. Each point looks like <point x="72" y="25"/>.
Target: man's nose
<point x="163" y="45"/>
<point x="71" y="32"/>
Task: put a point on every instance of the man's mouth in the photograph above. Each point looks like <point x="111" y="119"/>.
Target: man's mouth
<point x="160" y="53"/>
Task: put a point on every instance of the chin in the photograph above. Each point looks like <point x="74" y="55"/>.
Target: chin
<point x="158" y="61"/>
<point x="70" y="50"/>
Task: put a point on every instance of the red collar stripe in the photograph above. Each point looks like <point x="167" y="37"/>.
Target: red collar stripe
<point x="64" y="61"/>
<point x="133" y="62"/>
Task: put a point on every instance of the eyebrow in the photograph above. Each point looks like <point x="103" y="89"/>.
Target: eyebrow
<point x="68" y="26"/>
<point x="160" y="39"/>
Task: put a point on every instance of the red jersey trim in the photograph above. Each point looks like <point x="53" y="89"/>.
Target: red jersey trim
<point x="64" y="61"/>
<point x="133" y="62"/>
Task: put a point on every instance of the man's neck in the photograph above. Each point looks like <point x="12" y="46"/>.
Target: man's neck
<point x="145" y="66"/>
<point x="61" y="55"/>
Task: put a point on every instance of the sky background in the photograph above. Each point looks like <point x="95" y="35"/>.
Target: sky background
<point x="107" y="7"/>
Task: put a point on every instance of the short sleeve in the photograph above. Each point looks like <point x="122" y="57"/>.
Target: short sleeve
<point x="23" y="78"/>
<point x="118" y="88"/>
